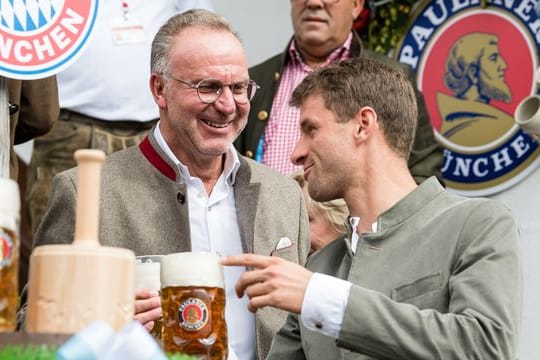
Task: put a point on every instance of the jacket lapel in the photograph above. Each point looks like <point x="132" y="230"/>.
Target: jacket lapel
<point x="246" y="195"/>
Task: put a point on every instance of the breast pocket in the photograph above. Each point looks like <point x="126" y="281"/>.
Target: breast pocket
<point x="286" y="249"/>
<point x="424" y="285"/>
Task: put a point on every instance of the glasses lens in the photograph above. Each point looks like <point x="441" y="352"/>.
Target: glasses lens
<point x="209" y="90"/>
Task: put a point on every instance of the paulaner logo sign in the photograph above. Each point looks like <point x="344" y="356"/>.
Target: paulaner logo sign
<point x="474" y="65"/>
<point x="39" y="38"/>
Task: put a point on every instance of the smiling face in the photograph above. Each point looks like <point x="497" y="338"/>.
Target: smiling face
<point x="320" y="26"/>
<point x="196" y="131"/>
<point x="321" y="149"/>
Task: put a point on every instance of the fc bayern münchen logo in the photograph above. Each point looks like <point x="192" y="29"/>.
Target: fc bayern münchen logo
<point x="474" y="65"/>
<point x="39" y="38"/>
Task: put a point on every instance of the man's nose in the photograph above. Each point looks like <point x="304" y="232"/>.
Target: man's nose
<point x="298" y="156"/>
<point x="314" y="4"/>
<point x="225" y="102"/>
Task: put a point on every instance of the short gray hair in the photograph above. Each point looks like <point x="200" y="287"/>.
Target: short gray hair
<point x="161" y="45"/>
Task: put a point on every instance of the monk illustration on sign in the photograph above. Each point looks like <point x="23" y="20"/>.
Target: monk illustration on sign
<point x="475" y="73"/>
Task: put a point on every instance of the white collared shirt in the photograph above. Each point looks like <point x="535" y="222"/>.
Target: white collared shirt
<point x="326" y="296"/>
<point x="214" y="228"/>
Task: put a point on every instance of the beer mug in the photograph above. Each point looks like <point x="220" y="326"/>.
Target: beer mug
<point x="147" y="276"/>
<point x="193" y="304"/>
<point x="9" y="254"/>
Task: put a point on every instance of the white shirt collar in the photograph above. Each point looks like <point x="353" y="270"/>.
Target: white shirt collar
<point x="232" y="161"/>
<point x="354" y="221"/>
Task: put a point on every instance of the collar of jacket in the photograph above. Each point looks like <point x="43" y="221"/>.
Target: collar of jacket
<point x="153" y="153"/>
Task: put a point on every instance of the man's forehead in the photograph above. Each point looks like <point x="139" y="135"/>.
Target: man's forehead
<point x="210" y="49"/>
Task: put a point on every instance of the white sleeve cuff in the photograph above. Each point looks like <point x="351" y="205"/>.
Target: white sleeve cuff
<point x="324" y="304"/>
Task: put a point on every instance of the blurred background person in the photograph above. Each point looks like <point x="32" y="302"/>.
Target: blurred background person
<point x="327" y="219"/>
<point x="322" y="35"/>
<point x="104" y="96"/>
<point x="33" y="108"/>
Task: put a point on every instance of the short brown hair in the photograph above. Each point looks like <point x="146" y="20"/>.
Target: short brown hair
<point x="351" y="84"/>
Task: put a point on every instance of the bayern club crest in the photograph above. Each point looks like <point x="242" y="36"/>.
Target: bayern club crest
<point x="474" y="65"/>
<point x="39" y="38"/>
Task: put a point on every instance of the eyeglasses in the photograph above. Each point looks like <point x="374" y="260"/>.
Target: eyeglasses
<point x="209" y="90"/>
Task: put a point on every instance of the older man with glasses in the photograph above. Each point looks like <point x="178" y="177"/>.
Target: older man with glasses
<point x="185" y="188"/>
<point x="322" y="35"/>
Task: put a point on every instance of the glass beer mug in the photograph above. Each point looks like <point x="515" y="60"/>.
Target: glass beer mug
<point x="193" y="304"/>
<point x="9" y="254"/>
<point x="147" y="276"/>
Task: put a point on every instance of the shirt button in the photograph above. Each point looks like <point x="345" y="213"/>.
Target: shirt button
<point x="262" y="115"/>
<point x="318" y="325"/>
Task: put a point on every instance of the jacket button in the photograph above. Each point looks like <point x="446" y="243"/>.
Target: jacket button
<point x="249" y="154"/>
<point x="262" y="115"/>
<point x="276" y="76"/>
<point x="319" y="325"/>
<point x="181" y="198"/>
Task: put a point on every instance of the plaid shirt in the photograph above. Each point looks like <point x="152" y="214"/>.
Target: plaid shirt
<point x="282" y="131"/>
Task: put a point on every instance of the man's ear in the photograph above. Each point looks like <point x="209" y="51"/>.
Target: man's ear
<point x="157" y="87"/>
<point x="365" y="123"/>
<point x="358" y="6"/>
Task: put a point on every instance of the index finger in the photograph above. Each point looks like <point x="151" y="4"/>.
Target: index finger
<point x="251" y="260"/>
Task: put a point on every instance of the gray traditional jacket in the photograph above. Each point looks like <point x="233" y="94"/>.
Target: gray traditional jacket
<point x="440" y="279"/>
<point x="143" y="207"/>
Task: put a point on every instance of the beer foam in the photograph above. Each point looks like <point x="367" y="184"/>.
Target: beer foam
<point x="191" y="269"/>
<point x="147" y="276"/>
<point x="147" y="272"/>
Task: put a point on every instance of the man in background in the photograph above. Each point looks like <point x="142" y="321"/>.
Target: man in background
<point x="33" y="108"/>
<point x="322" y="35"/>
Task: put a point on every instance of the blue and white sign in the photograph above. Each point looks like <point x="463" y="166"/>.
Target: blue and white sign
<point x="38" y="38"/>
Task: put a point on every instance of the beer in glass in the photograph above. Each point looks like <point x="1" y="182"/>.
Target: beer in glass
<point x="9" y="254"/>
<point x="147" y="276"/>
<point x="193" y="304"/>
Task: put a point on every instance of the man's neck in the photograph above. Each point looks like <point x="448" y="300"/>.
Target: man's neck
<point x="370" y="199"/>
<point x="208" y="171"/>
<point x="316" y="56"/>
<point x="314" y="61"/>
